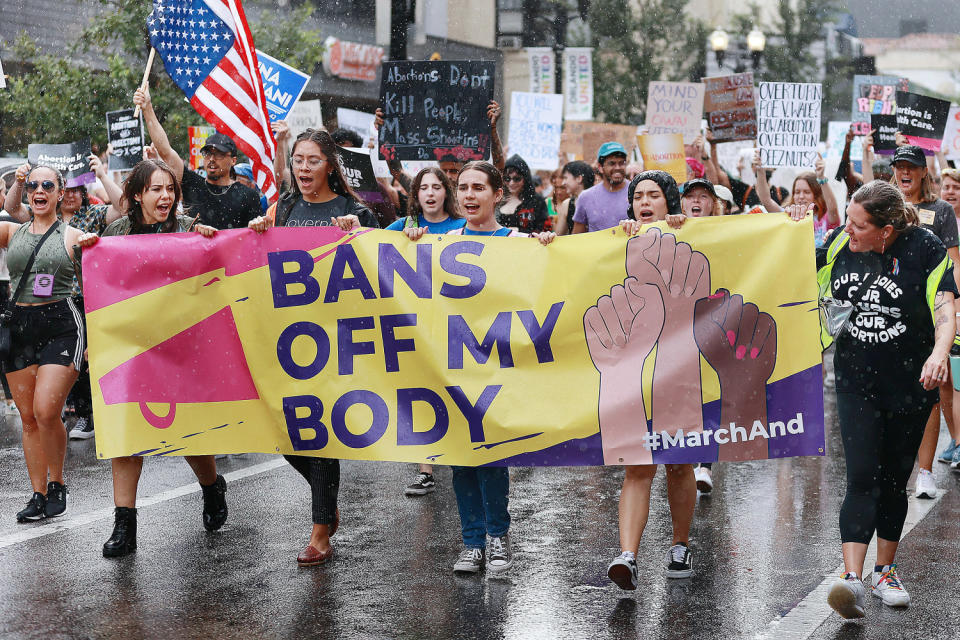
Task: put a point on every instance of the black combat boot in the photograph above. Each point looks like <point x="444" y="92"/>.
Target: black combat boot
<point x="214" y="504"/>
<point x="124" y="537"/>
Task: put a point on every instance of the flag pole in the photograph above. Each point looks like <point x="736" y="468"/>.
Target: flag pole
<point x="146" y="77"/>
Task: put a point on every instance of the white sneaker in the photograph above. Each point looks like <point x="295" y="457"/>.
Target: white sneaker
<point x="846" y="596"/>
<point x="887" y="587"/>
<point x="926" y="485"/>
<point x="704" y="479"/>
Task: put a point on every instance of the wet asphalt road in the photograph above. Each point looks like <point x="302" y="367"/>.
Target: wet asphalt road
<point x="762" y="542"/>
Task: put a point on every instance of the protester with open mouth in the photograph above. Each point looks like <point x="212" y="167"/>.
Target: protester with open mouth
<point x="523" y="209"/>
<point x="809" y="189"/>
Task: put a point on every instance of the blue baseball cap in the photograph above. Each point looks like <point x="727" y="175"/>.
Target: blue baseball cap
<point x="244" y="169"/>
<point x="609" y="149"/>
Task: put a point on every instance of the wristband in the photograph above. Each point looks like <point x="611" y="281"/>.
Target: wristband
<point x="821" y="181"/>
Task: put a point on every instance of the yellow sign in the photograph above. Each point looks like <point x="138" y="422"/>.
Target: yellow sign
<point x="664" y="151"/>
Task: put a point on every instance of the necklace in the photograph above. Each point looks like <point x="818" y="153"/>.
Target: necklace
<point x="217" y="193"/>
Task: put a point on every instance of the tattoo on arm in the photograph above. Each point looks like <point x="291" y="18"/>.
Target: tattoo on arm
<point x="942" y="308"/>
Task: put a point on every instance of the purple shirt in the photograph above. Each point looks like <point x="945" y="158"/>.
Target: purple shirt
<point x="599" y="208"/>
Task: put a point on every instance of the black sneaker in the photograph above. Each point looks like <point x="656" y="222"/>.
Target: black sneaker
<point x="82" y="430"/>
<point x="34" y="510"/>
<point x="56" y="500"/>
<point x="215" y="504"/>
<point x="422" y="485"/>
<point x="679" y="562"/>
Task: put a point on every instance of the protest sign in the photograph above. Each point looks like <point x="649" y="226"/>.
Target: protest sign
<point x="358" y="171"/>
<point x="728" y="155"/>
<point x="788" y="124"/>
<point x="664" y="151"/>
<point x="837" y="138"/>
<point x="369" y="346"/>
<point x="922" y="119"/>
<point x="357" y="121"/>
<point x="874" y="95"/>
<point x="196" y="138"/>
<point x="71" y="159"/>
<point x="436" y="109"/>
<point x="125" y="135"/>
<point x="951" y="135"/>
<point x="306" y="114"/>
<point x="535" y="124"/>
<point x="543" y="69"/>
<point x="730" y="107"/>
<point x="576" y="143"/>
<point x="282" y="85"/>
<point x="675" y="107"/>
<point x="885" y="138"/>
<point x="578" y="83"/>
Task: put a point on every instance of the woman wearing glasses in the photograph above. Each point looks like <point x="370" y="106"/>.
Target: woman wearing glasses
<point x="523" y="209"/>
<point x="46" y="336"/>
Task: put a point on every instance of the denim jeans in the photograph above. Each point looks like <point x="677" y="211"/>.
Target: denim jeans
<point x="482" y="501"/>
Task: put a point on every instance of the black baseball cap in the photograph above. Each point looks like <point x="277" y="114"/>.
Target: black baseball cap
<point x="912" y="154"/>
<point x="698" y="182"/>
<point x="220" y="142"/>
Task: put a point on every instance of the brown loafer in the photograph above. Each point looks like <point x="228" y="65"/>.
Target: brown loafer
<point x="311" y="557"/>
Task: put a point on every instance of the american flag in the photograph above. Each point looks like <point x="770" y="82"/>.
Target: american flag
<point x="208" y="51"/>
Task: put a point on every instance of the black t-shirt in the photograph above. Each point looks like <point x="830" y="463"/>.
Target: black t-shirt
<point x="745" y="195"/>
<point x="938" y="217"/>
<point x="321" y="214"/>
<point x="528" y="217"/>
<point x="882" y="349"/>
<point x="219" y="207"/>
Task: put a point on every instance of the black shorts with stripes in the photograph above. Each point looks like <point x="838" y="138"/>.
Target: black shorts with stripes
<point x="46" y="334"/>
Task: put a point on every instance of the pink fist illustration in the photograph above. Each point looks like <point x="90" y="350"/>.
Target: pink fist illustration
<point x="623" y="327"/>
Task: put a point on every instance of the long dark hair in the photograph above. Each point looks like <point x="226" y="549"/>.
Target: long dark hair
<point x="583" y="170"/>
<point x="529" y="192"/>
<point x="338" y="184"/>
<point x="449" y="199"/>
<point x="137" y="182"/>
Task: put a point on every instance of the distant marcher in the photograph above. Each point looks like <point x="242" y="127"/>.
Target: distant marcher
<point x="604" y="205"/>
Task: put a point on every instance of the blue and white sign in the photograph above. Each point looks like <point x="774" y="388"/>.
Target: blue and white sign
<point x="282" y="84"/>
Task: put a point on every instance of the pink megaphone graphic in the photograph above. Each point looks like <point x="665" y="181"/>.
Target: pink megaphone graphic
<point x="204" y="363"/>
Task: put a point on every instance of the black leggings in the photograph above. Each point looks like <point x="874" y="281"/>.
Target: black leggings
<point x="880" y="448"/>
<point x="323" y="474"/>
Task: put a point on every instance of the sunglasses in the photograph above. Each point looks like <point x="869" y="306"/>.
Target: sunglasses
<point x="513" y="179"/>
<point x="47" y="185"/>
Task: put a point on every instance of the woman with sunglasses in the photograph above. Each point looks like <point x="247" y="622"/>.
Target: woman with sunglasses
<point x="46" y="336"/>
<point x="523" y="209"/>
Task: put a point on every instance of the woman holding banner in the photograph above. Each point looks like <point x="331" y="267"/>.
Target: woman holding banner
<point x="152" y="193"/>
<point x="891" y="356"/>
<point x="810" y="188"/>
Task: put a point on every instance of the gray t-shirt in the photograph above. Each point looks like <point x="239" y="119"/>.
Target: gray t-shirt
<point x="316" y="214"/>
<point x="938" y="216"/>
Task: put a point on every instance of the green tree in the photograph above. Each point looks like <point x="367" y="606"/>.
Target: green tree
<point x="636" y="42"/>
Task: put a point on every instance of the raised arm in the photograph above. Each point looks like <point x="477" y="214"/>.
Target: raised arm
<point x="867" y="165"/>
<point x="763" y="189"/>
<point x="713" y="165"/>
<point x="833" y="212"/>
<point x="141" y="98"/>
<point x="281" y="131"/>
<point x="13" y="203"/>
<point x="496" y="148"/>
<point x="114" y="192"/>
<point x="396" y="169"/>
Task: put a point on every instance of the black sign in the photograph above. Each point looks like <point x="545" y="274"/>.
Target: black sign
<point x="885" y="136"/>
<point x="922" y="119"/>
<point x="357" y="168"/>
<point x="70" y="159"/>
<point x="125" y="134"/>
<point x="435" y="110"/>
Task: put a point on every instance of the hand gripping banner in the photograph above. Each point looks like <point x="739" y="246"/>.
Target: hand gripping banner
<point x="672" y="346"/>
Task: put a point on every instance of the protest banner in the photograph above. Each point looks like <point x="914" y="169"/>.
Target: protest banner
<point x="951" y="134"/>
<point x="675" y="107"/>
<point x="837" y="138"/>
<point x="543" y="69"/>
<point x="358" y="171"/>
<point x="125" y="136"/>
<point x="576" y="143"/>
<point x="436" y="109"/>
<point x="369" y="346"/>
<point x="885" y="138"/>
<point x="535" y="125"/>
<point x="578" y="83"/>
<point x="664" y="151"/>
<point x="306" y="114"/>
<point x="922" y="119"/>
<point x="874" y="95"/>
<point x="282" y="85"/>
<point x="788" y="124"/>
<point x="71" y="159"/>
<point x="357" y="121"/>
<point x="196" y="138"/>
<point x="730" y="107"/>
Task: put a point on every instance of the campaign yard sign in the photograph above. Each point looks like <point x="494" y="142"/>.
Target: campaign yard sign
<point x="358" y="171"/>
<point x="885" y="136"/>
<point x="282" y="85"/>
<point x="536" y="120"/>
<point x="675" y="107"/>
<point x="922" y="119"/>
<point x="730" y="107"/>
<point x="436" y="109"/>
<point x="125" y="135"/>
<point x="788" y="123"/>
<point x="874" y="95"/>
<point x="71" y="159"/>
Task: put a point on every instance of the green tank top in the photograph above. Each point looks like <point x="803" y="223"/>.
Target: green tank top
<point x="52" y="259"/>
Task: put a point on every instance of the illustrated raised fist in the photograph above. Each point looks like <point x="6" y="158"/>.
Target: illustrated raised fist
<point x="681" y="274"/>
<point x="737" y="340"/>
<point x="623" y="327"/>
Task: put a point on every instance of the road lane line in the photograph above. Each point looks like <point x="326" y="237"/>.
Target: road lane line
<point x="806" y="617"/>
<point x="69" y="522"/>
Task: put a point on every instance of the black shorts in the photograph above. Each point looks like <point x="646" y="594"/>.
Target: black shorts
<point x="46" y="334"/>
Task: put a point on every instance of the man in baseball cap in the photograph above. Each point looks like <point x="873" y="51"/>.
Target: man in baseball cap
<point x="605" y="204"/>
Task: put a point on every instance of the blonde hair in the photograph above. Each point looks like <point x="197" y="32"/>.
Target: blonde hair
<point x="928" y="189"/>
<point x="950" y="172"/>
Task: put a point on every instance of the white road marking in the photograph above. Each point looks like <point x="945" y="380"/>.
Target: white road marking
<point x="811" y="612"/>
<point x="68" y="522"/>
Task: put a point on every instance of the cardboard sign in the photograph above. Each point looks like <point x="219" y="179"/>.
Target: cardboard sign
<point x="282" y="84"/>
<point x="675" y="107"/>
<point x="357" y="121"/>
<point x="125" y="135"/>
<point x="70" y="159"/>
<point x="578" y="83"/>
<point x="664" y="152"/>
<point x="358" y="170"/>
<point x="730" y="107"/>
<point x="837" y="138"/>
<point x="788" y="124"/>
<point x="543" y="69"/>
<point x="922" y="119"/>
<point x="728" y="155"/>
<point x="536" y="120"/>
<point x="196" y="138"/>
<point x="885" y="138"/>
<point x="951" y="135"/>
<point x="874" y="95"/>
<point x="577" y="143"/>
<point x="304" y="115"/>
<point x="436" y="110"/>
